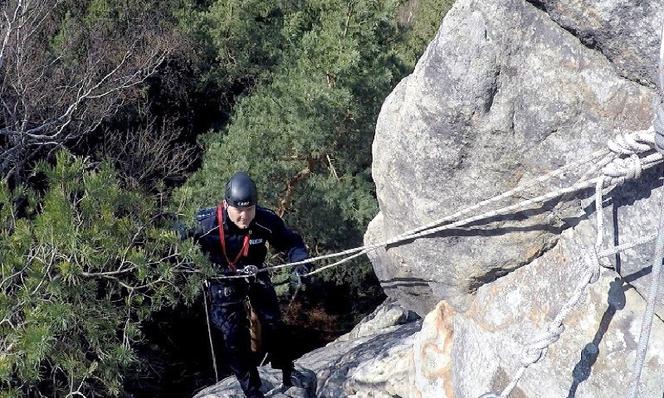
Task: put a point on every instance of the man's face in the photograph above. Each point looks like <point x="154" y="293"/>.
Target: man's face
<point x="241" y="216"/>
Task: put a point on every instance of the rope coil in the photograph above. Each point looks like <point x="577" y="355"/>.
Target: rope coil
<point x="630" y="144"/>
<point x="623" y="169"/>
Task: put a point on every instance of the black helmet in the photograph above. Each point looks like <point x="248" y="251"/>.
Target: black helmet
<point x="240" y="190"/>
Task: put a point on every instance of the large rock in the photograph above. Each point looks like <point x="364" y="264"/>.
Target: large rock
<point x="595" y="353"/>
<point x="386" y="315"/>
<point x="398" y="281"/>
<point x="509" y="90"/>
<point x="469" y="354"/>
<point x="626" y="32"/>
<point x="304" y="386"/>
<point x="433" y="360"/>
<point x="374" y="360"/>
<point x="502" y="94"/>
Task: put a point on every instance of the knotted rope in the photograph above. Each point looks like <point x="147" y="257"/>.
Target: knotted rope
<point x="615" y="171"/>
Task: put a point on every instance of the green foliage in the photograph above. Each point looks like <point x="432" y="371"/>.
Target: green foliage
<point x="310" y="128"/>
<point x="78" y="276"/>
<point x="238" y="43"/>
<point x="422" y="19"/>
<point x="305" y="133"/>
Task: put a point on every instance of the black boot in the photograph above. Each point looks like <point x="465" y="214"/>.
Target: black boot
<point x="287" y="375"/>
<point x="250" y="383"/>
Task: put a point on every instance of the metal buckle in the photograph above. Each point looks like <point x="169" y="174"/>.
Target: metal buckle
<point x="251" y="270"/>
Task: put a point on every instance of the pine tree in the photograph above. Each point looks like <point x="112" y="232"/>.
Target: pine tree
<point x="82" y="265"/>
<point x="305" y="132"/>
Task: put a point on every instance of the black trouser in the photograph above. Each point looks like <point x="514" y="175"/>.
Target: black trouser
<point x="229" y="316"/>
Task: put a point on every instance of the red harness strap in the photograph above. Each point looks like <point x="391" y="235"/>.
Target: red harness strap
<point x="244" y="251"/>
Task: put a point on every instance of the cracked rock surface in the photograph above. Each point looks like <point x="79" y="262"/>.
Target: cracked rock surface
<point x="374" y="360"/>
<point x="502" y="94"/>
<point x="626" y="32"/>
<point x="507" y="91"/>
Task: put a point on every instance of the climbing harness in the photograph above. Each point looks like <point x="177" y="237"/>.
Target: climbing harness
<point x="249" y="273"/>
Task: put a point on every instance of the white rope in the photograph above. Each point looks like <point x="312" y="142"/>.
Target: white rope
<point x="359" y="251"/>
<point x="646" y="322"/>
<point x="625" y="246"/>
<point x="209" y="329"/>
<point x="613" y="179"/>
<point x="616" y="172"/>
<point x="537" y="347"/>
<point x="519" y="374"/>
<point x="599" y="211"/>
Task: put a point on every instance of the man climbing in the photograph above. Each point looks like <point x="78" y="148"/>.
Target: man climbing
<point x="234" y="235"/>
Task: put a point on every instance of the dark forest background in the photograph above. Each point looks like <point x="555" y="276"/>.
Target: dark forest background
<point x="119" y="118"/>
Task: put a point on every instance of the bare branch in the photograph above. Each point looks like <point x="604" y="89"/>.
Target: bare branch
<point x="46" y="102"/>
<point x="109" y="273"/>
<point x="10" y="24"/>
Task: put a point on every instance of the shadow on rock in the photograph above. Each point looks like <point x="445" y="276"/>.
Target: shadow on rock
<point x="590" y="352"/>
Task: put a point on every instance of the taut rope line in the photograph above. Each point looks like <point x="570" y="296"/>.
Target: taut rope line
<point x="615" y="173"/>
<point x="646" y="322"/>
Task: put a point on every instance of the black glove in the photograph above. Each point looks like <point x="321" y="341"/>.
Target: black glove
<point x="297" y="275"/>
<point x="181" y="230"/>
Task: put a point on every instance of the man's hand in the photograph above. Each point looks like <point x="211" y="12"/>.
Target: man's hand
<point x="297" y="275"/>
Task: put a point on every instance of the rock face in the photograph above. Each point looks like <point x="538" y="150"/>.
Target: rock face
<point x="625" y="32"/>
<point x="503" y="94"/>
<point x="595" y="353"/>
<point x="509" y="90"/>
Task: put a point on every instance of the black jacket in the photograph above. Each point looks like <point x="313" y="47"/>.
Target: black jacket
<point x="265" y="227"/>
